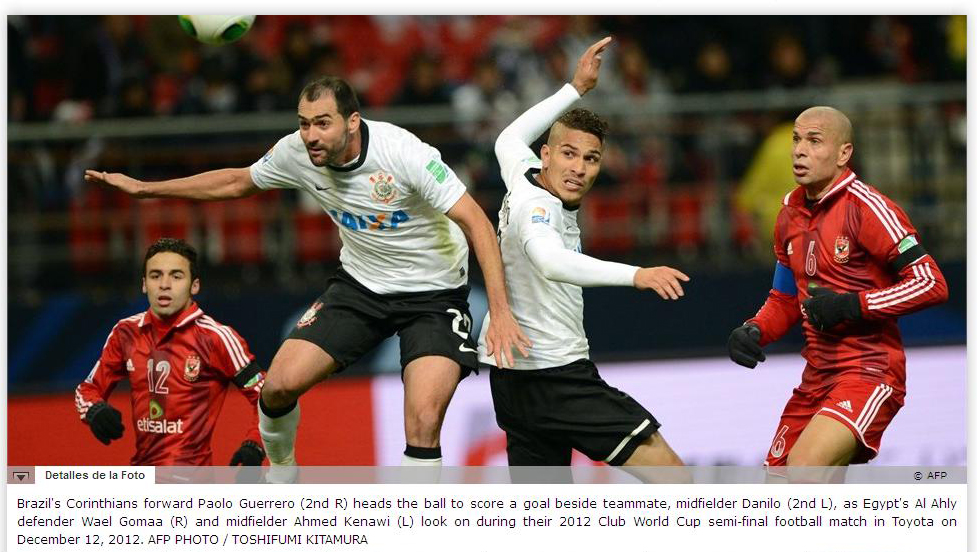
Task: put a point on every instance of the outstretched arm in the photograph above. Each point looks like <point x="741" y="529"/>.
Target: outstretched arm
<point x="559" y="264"/>
<point x="207" y="186"/>
<point x="503" y="333"/>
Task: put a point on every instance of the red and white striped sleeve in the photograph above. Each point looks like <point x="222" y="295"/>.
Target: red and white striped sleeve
<point x="229" y="351"/>
<point x="888" y="235"/>
<point x="109" y="369"/>
<point x="230" y="355"/>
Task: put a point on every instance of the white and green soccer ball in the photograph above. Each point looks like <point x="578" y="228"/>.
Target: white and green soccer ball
<point x="216" y="29"/>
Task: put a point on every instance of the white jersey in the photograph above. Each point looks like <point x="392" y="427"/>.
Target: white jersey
<point x="389" y="205"/>
<point x="549" y="312"/>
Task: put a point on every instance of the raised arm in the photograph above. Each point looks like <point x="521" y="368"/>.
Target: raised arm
<point x="207" y="186"/>
<point x="513" y="144"/>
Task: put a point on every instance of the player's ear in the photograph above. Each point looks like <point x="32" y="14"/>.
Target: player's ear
<point x="845" y="154"/>
<point x="353" y="123"/>
<point x="195" y="286"/>
<point x="144" y="285"/>
<point x="544" y="155"/>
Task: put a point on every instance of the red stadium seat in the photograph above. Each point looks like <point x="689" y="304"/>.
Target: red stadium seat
<point x="610" y="220"/>
<point x="158" y="218"/>
<point x="316" y="237"/>
<point x="243" y="228"/>
<point x="88" y="234"/>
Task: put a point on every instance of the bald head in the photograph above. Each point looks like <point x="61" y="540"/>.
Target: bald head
<point x="822" y="148"/>
<point x="833" y="122"/>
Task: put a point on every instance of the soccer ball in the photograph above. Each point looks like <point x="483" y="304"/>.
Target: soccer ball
<point x="216" y="29"/>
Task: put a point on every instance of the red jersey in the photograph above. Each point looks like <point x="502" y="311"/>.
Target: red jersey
<point x="854" y="239"/>
<point x="179" y="372"/>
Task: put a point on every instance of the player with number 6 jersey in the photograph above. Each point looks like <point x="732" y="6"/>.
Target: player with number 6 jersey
<point x="849" y="263"/>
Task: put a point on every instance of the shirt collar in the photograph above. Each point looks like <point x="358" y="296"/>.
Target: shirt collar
<point x="364" y="147"/>
<point x="190" y="313"/>
<point x="796" y="197"/>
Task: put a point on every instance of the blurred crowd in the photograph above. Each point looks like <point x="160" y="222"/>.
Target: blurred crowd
<point x="667" y="186"/>
<point x="128" y="66"/>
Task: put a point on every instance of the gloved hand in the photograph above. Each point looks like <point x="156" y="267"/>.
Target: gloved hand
<point x="744" y="346"/>
<point x="105" y="422"/>
<point x="249" y="454"/>
<point x="826" y="309"/>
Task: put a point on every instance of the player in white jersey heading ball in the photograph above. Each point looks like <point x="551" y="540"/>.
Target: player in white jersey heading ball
<point x="403" y="217"/>
<point x="554" y="400"/>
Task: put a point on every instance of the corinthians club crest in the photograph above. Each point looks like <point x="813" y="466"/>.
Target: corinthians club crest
<point x="841" y="249"/>
<point x="191" y="370"/>
<point x="310" y="315"/>
<point x="383" y="187"/>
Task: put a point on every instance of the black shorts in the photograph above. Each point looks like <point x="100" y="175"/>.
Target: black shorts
<point x="348" y="321"/>
<point x="546" y="413"/>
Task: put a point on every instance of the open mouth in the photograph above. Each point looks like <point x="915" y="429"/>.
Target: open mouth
<point x="573" y="185"/>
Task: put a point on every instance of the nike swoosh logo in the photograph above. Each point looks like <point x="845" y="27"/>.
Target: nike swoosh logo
<point x="321" y="189"/>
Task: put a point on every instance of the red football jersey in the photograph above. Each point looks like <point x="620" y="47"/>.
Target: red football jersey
<point x="179" y="373"/>
<point x="853" y="239"/>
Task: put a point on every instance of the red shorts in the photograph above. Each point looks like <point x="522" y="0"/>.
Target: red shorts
<point x="865" y="407"/>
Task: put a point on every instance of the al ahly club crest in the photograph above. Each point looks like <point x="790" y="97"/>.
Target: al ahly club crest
<point x="383" y="187"/>
<point x="191" y="370"/>
<point x="842" y="249"/>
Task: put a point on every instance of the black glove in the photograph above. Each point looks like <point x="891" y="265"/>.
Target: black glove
<point x="105" y="421"/>
<point x="250" y="454"/>
<point x="744" y="346"/>
<point x="826" y="309"/>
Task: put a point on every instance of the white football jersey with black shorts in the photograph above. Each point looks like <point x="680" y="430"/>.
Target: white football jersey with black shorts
<point x="389" y="205"/>
<point x="550" y="313"/>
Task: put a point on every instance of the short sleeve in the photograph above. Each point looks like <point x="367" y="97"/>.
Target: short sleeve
<point x="431" y="177"/>
<point x="274" y="169"/>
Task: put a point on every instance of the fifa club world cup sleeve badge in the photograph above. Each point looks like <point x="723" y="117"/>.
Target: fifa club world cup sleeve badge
<point x="539" y="215"/>
<point x="841" y="249"/>
<point x="383" y="187"/>
<point x="191" y="370"/>
<point x="310" y="315"/>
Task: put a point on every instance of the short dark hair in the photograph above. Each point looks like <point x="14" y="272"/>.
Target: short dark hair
<point x="346" y="101"/>
<point x="586" y="121"/>
<point x="173" y="245"/>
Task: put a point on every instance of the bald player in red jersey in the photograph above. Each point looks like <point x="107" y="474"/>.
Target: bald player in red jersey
<point x="849" y="263"/>
<point x="179" y="363"/>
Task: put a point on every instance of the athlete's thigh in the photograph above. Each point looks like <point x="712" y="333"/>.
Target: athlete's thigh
<point x="429" y="383"/>
<point x="654" y="451"/>
<point x="824" y="442"/>
<point x="797" y="413"/>
<point x="297" y="366"/>
<point x="865" y="408"/>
